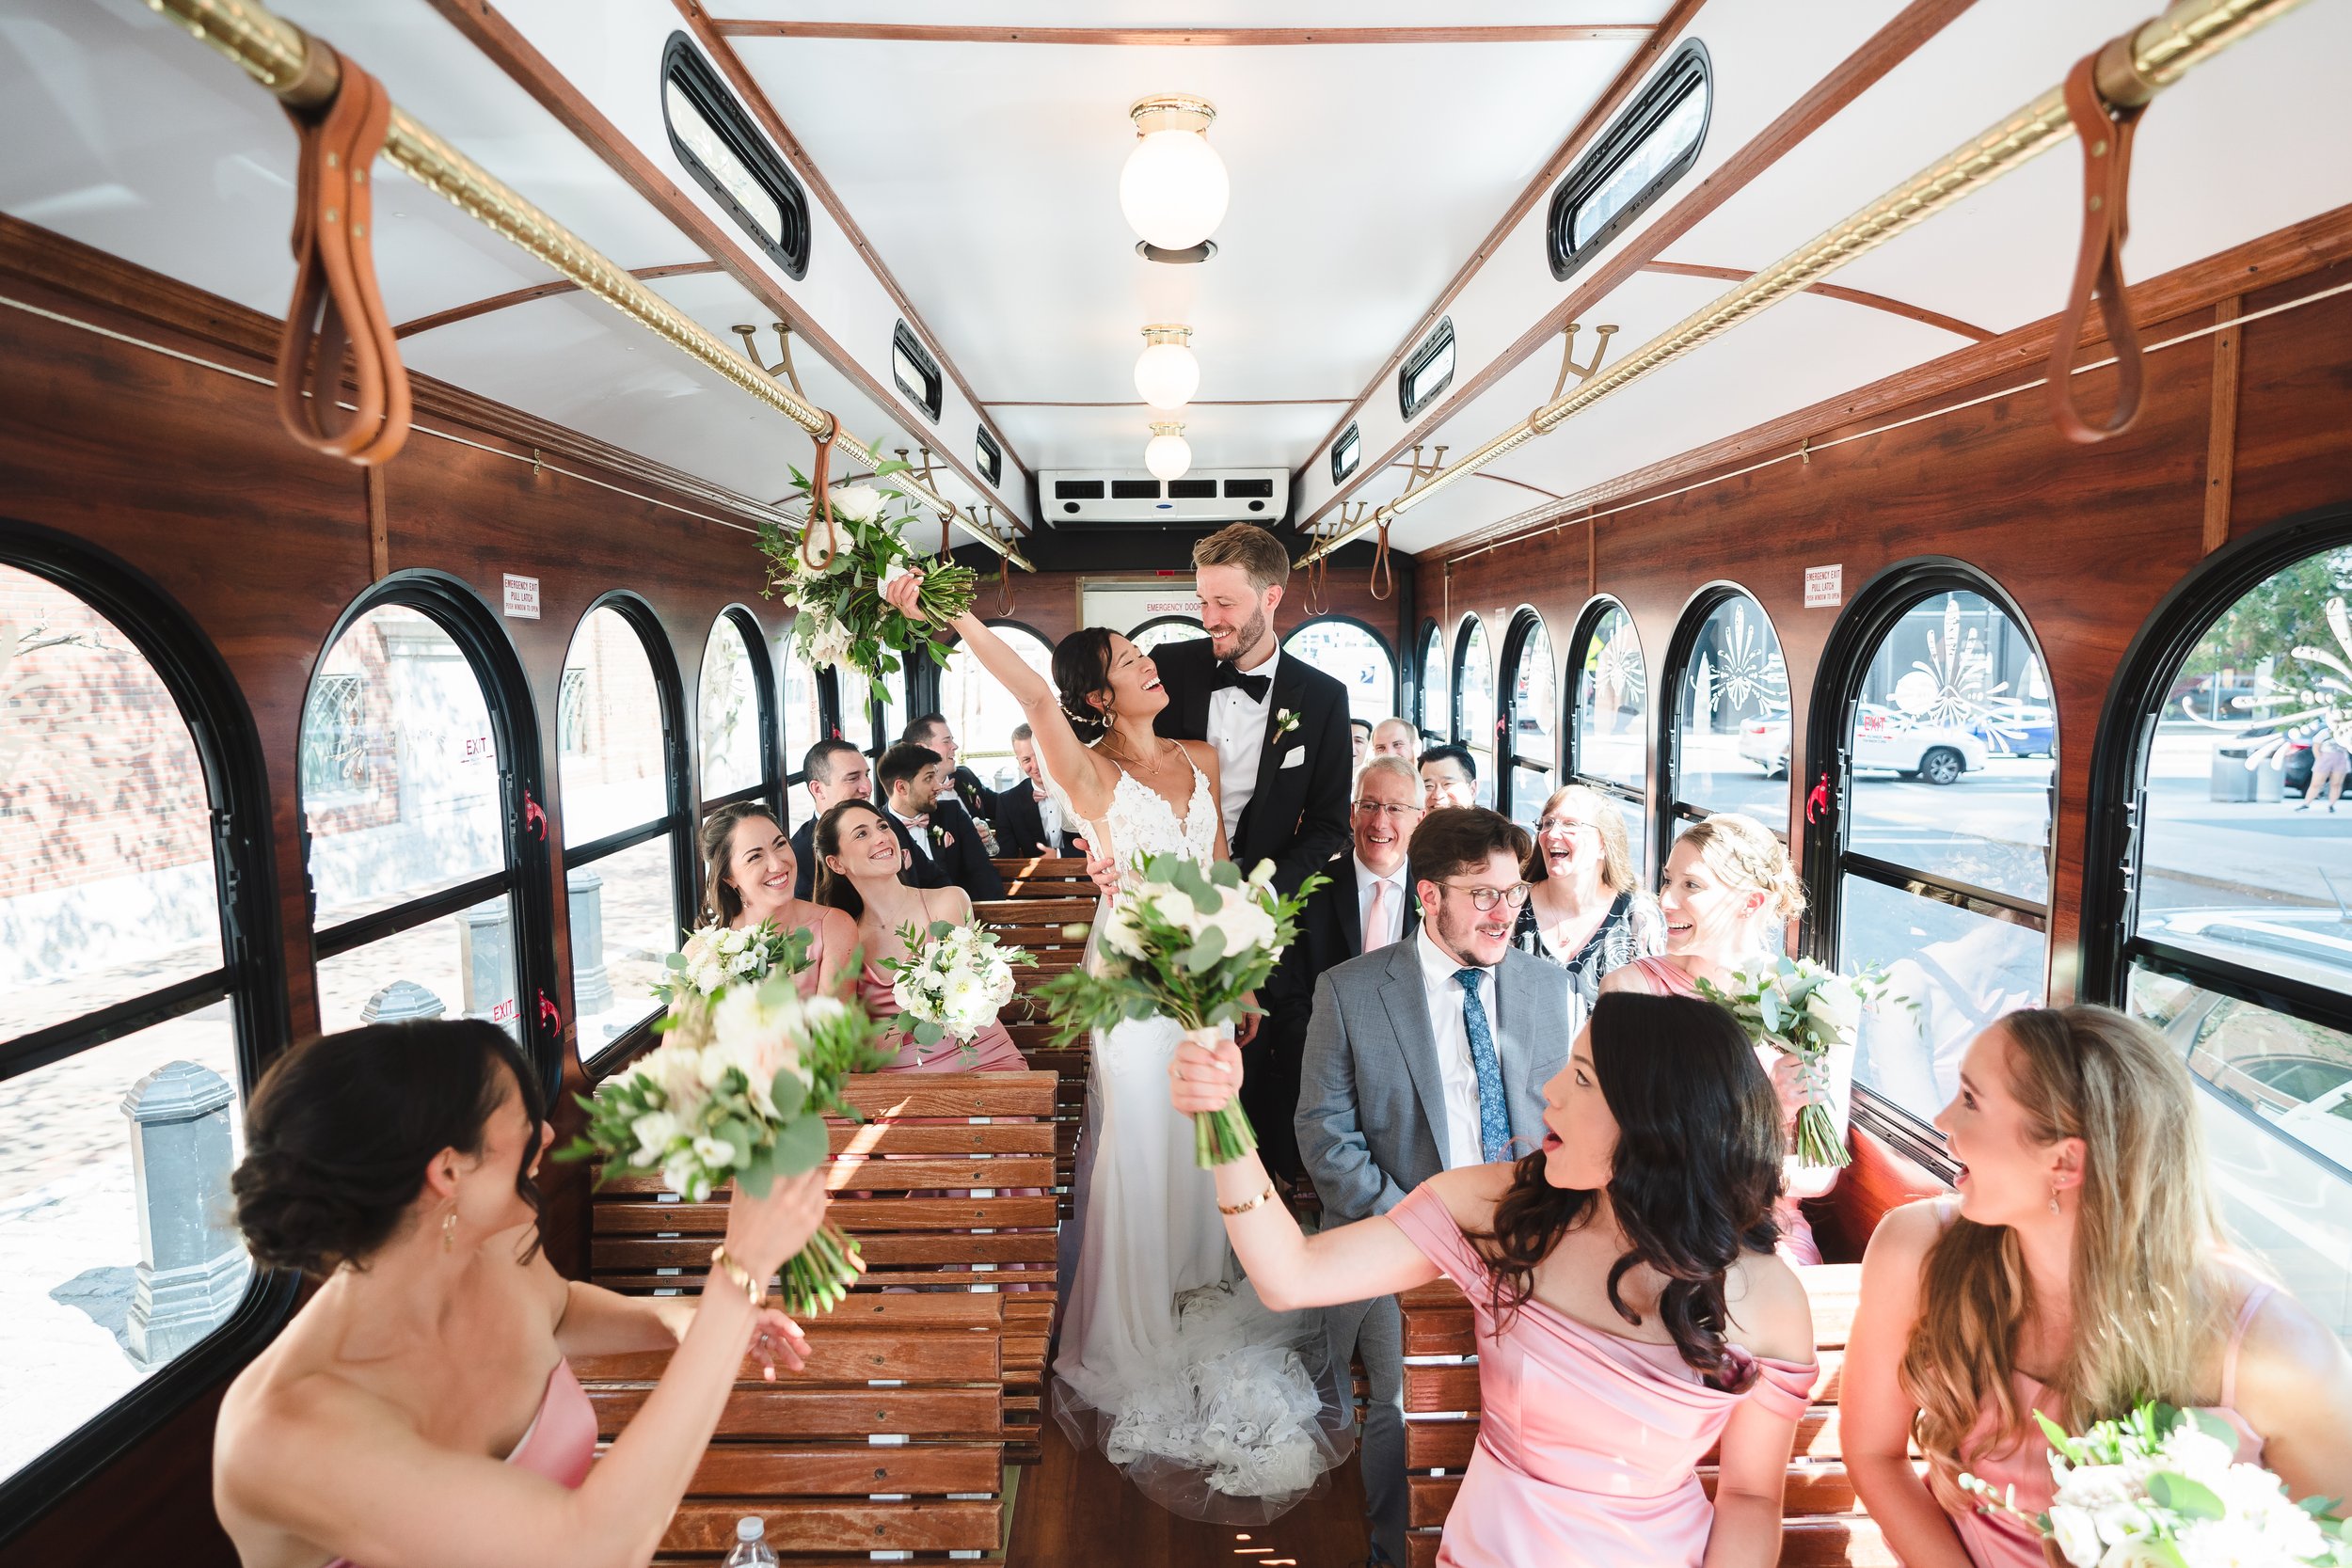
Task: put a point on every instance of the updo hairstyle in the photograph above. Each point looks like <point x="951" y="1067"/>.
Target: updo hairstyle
<point x="1744" y="853"/>
<point x="1081" y="668"/>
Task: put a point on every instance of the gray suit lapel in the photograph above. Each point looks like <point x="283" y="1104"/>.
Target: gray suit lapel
<point x="1407" y="1004"/>
<point x="1532" y="1037"/>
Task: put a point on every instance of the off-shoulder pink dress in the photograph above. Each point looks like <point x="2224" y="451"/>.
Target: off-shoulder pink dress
<point x="1589" y="1443"/>
<point x="561" y="1440"/>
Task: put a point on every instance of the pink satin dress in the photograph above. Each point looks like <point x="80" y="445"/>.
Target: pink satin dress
<point x="1997" y="1541"/>
<point x="561" y="1440"/>
<point x="1589" y="1443"/>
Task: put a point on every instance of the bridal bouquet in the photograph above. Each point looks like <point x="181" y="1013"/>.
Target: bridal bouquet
<point x="1805" y="1010"/>
<point x="2160" y="1489"/>
<point x="716" y="956"/>
<point x="1185" y="942"/>
<point x="955" y="983"/>
<point x="739" y="1089"/>
<point x="832" y="574"/>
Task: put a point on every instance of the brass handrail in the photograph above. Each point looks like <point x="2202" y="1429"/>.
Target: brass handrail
<point x="2132" y="69"/>
<point x="282" y="57"/>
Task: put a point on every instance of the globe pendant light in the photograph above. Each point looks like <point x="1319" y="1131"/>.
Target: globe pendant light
<point x="1166" y="455"/>
<point x="1167" y="374"/>
<point x="1173" y="189"/>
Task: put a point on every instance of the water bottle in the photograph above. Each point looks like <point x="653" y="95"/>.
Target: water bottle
<point x="751" y="1544"/>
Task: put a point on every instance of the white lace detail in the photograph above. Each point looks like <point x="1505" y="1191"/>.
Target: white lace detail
<point x="1140" y="822"/>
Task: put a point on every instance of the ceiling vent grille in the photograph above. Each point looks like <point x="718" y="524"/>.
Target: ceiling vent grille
<point x="1096" y="497"/>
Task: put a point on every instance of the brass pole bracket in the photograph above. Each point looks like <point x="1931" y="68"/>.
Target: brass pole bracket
<point x="1567" y="358"/>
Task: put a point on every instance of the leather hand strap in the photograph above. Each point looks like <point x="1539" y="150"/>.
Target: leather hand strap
<point x="338" y="312"/>
<point x="2105" y="134"/>
<point x="1381" y="570"/>
<point x="820" y="504"/>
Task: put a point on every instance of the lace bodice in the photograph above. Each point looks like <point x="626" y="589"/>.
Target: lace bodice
<point x="1142" y="823"/>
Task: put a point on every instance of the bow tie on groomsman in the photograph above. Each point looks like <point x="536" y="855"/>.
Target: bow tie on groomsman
<point x="1252" y="687"/>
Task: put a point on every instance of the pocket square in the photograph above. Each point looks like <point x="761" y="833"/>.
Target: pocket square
<point x="1296" y="755"/>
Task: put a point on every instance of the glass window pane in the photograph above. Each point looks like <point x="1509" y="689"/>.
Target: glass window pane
<point x="1160" y="633"/>
<point x="2246" y="847"/>
<point x="1474" y="702"/>
<point x="624" y="915"/>
<point x="804" y="721"/>
<point x="70" y="1342"/>
<point x="728" y="716"/>
<point x="893" y="713"/>
<point x="1612" y="704"/>
<point x="982" y="712"/>
<point x="106" y="828"/>
<point x="460" y="966"/>
<point x="1432" y="692"/>
<point x="713" y="152"/>
<point x="1961" y="969"/>
<point x="611" y="760"/>
<point x="1732" y="725"/>
<point x="400" y="775"/>
<point x="1954" y="696"/>
<point x="1636" y="817"/>
<point x="1354" y="657"/>
<point x="1531" y="723"/>
<point x="1673" y="136"/>
<point x="2293" y="1075"/>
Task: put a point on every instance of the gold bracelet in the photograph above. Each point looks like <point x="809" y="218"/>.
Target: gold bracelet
<point x="753" y="1287"/>
<point x="1242" y="1208"/>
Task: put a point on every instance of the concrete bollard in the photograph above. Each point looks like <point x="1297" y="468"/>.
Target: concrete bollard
<point x="592" y="985"/>
<point x="401" y="1002"/>
<point x="485" y="943"/>
<point x="192" y="1267"/>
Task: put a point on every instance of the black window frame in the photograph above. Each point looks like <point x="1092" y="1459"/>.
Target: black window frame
<point x="1687" y="70"/>
<point x="1670" y="808"/>
<point x="773" y="782"/>
<point x="990" y="454"/>
<point x="1347" y="453"/>
<point x="1429" y="647"/>
<point x="931" y="396"/>
<point x="1588" y="620"/>
<point x="1388" y="649"/>
<point x="1526" y="622"/>
<point x="1471" y="625"/>
<point x="250" y="978"/>
<point x="684" y="64"/>
<point x="1440" y="337"/>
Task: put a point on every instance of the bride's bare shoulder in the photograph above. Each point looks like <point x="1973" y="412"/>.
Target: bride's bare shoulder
<point x="1203" y="756"/>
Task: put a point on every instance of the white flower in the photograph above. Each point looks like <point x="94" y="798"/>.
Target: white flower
<point x="2196" y="1454"/>
<point x="2077" y="1536"/>
<point x="749" y="961"/>
<point x="1118" y="932"/>
<point x="826" y="640"/>
<point x="654" y="1130"/>
<point x="856" y="502"/>
<point x="714" y="1152"/>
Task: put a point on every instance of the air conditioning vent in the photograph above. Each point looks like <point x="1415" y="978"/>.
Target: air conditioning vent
<point x="1212" y="495"/>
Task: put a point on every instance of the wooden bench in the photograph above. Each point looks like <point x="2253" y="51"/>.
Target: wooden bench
<point x="1822" y="1523"/>
<point x="1051" y="930"/>
<point x="1045" y="876"/>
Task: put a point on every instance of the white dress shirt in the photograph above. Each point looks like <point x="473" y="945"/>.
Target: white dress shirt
<point x="1049" y="814"/>
<point x="1392" y="911"/>
<point x="1237" y="730"/>
<point x="920" y="834"/>
<point x="1464" y="1133"/>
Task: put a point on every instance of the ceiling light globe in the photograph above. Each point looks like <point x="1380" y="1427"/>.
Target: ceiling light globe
<point x="1167" y="376"/>
<point x="1174" y="189"/>
<point x="1167" y="454"/>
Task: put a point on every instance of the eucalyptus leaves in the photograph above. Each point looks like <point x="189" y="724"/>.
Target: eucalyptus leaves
<point x="1807" y="1010"/>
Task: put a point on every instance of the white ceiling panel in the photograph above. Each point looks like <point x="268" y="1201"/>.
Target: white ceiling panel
<point x="1194" y="13"/>
<point x="1114" y="438"/>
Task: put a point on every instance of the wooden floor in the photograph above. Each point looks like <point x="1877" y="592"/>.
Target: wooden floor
<point x="1075" y="1511"/>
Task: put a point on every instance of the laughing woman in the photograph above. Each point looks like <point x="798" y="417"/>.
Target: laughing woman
<point x="1586" y="910"/>
<point x="750" y="869"/>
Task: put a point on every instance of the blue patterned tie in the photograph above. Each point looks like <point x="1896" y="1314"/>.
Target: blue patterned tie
<point x="1494" y="1117"/>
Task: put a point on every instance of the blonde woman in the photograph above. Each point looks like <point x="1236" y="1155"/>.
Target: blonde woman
<point x="1586" y="907"/>
<point x="2079" y="1270"/>
<point x="1729" y="894"/>
<point x="750" y="870"/>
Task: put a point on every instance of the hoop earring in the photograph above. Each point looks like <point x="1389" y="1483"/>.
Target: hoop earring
<point x="449" y="1231"/>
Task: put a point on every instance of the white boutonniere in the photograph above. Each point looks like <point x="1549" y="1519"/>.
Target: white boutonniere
<point x="1285" y="720"/>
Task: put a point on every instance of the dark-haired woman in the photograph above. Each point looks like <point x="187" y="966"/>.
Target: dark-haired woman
<point x="1630" y="1311"/>
<point x="419" y="1411"/>
<point x="750" y="869"/>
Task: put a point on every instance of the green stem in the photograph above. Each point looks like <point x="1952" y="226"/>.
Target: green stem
<point x="1222" y="1136"/>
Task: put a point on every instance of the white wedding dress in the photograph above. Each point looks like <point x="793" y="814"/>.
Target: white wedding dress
<point x="1216" y="1407"/>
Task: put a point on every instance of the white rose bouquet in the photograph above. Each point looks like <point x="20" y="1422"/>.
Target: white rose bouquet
<point x="832" y="574"/>
<point x="739" y="1090"/>
<point x="716" y="956"/>
<point x="955" y="983"/>
<point x="1807" y="1010"/>
<point x="2160" y="1488"/>
<point x="1185" y="942"/>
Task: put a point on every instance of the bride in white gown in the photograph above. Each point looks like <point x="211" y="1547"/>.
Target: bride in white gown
<point x="1215" y="1406"/>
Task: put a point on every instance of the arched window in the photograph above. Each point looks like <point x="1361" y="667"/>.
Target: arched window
<point x="139" y="1003"/>
<point x="1609" y="724"/>
<point x="1430" y="688"/>
<point x="890" y="712"/>
<point x="982" y="712"/>
<point x="2215" y="789"/>
<point x="1353" y="655"/>
<point x="1730" y="736"/>
<point x="1474" y="703"/>
<point x="429" y="879"/>
<point x="1934" y="732"/>
<point x="738" y="696"/>
<point x="628" y="873"/>
<point x="1163" y="629"/>
<point x="803" y="717"/>
<point x="1530" y="713"/>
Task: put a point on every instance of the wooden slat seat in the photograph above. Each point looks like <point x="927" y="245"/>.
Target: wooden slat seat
<point x="1051" y="930"/>
<point x="1044" y="877"/>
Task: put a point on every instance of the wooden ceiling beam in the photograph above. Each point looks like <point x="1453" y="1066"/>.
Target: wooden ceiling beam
<point x="1904" y="309"/>
<point x="1183" y="38"/>
<point x="537" y="290"/>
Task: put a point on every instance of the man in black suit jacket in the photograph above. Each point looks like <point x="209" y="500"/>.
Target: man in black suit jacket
<point x="1279" y="726"/>
<point x="949" y="853"/>
<point x="931" y="729"/>
<point x="1022" y="807"/>
<point x="1370" y="896"/>
<point x="835" y="771"/>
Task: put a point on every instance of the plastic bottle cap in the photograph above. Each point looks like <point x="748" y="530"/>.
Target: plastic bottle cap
<point x="749" y="1527"/>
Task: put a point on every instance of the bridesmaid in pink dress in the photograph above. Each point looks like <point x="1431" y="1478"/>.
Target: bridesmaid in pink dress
<point x="1727" y="896"/>
<point x="1601" y="1390"/>
<point x="421" y="1407"/>
<point x="750" y="869"/>
<point x="2079" y="1271"/>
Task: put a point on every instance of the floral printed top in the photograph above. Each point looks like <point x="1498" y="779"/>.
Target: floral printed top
<point x="1632" y="929"/>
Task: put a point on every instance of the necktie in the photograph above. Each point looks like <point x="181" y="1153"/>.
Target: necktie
<point x="1374" y="926"/>
<point x="1252" y="687"/>
<point x="1494" y="1118"/>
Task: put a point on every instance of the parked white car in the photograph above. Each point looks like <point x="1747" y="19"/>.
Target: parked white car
<point x="1883" y="739"/>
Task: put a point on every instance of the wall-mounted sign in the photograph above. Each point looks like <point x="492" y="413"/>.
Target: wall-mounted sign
<point x="1824" y="587"/>
<point x="1123" y="607"/>
<point x="522" y="597"/>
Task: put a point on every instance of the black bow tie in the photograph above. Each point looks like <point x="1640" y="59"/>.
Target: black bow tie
<point x="1252" y="687"/>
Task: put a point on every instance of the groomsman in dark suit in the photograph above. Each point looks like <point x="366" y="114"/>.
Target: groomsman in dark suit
<point x="943" y="848"/>
<point x="930" y="729"/>
<point x="1028" y="818"/>
<point x="1367" y="905"/>
<point x="835" y="771"/>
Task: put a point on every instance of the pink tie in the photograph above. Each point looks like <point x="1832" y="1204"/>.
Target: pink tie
<point x="1374" y="926"/>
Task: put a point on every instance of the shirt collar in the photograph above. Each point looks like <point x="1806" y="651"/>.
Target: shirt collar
<point x="1435" y="964"/>
<point x="1366" y="874"/>
<point x="1264" y="667"/>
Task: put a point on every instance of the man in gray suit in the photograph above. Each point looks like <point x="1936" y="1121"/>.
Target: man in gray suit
<point x="1423" y="1056"/>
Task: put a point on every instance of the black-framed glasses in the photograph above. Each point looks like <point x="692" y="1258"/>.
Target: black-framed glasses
<point x="1485" y="898"/>
<point x="1379" y="808"/>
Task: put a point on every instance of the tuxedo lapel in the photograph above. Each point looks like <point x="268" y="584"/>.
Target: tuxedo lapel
<point x="1190" y="664"/>
<point x="1289" y="691"/>
<point x="1408" y="1004"/>
<point x="1347" y="906"/>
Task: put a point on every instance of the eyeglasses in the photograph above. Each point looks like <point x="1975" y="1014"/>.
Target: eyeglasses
<point x="1485" y="898"/>
<point x="1394" y="814"/>
<point x="1559" y="825"/>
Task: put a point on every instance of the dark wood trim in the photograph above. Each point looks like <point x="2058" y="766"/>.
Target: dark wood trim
<point x="1885" y="49"/>
<point x="1919" y="313"/>
<point x="537" y="290"/>
<point x="2221" y="435"/>
<point x="1181" y="38"/>
<point x="371" y="479"/>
